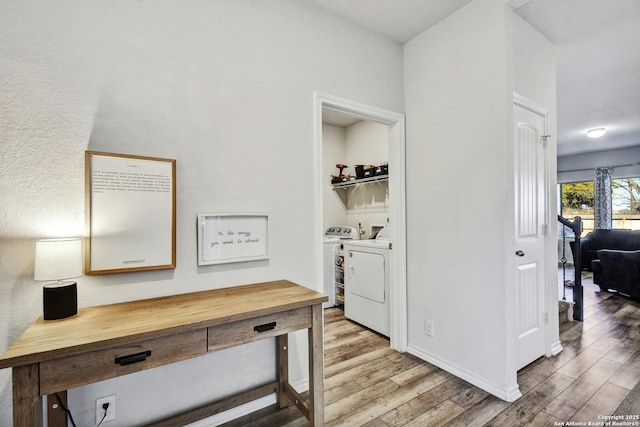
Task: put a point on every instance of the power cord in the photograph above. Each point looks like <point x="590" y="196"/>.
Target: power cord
<point x="105" y="406"/>
<point x="64" y="408"/>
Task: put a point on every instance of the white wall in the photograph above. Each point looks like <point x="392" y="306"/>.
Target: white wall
<point x="367" y="144"/>
<point x="225" y="88"/>
<point x="534" y="64"/>
<point x="581" y="167"/>
<point x="333" y="152"/>
<point x="459" y="79"/>
<point x="458" y="90"/>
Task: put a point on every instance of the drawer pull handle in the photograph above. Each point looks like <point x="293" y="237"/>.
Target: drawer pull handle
<point x="265" y="327"/>
<point x="133" y="358"/>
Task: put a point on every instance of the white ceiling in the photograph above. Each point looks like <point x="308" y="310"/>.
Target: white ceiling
<point x="336" y="118"/>
<point x="598" y="54"/>
<point x="399" y="20"/>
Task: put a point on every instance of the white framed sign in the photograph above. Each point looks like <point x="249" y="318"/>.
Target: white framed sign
<point x="227" y="238"/>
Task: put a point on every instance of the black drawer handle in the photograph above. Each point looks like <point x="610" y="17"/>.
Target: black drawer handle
<point x="265" y="327"/>
<point x="133" y="358"/>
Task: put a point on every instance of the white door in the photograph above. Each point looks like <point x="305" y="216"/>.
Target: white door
<point x="530" y="193"/>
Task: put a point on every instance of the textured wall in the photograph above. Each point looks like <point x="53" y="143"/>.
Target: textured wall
<point x="225" y="88"/>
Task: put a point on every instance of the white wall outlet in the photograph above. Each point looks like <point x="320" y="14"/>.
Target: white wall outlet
<point x="111" y="410"/>
<point x="429" y="329"/>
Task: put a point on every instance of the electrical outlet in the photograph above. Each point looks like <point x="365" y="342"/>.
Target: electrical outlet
<point x="429" y="328"/>
<point x="111" y="410"/>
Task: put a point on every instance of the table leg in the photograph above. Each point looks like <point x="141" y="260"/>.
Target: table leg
<point x="316" y="368"/>
<point x="56" y="416"/>
<point x="282" y="355"/>
<point x="26" y="399"/>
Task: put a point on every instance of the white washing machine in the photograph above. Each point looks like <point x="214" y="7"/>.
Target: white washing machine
<point x="334" y="263"/>
<point x="366" y="281"/>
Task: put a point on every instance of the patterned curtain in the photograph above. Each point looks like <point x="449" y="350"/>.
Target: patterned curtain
<point x="602" y="198"/>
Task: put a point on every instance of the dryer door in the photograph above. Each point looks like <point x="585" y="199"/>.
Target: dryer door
<point x="365" y="275"/>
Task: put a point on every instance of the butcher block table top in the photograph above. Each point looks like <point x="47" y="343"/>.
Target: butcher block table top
<point x="101" y="327"/>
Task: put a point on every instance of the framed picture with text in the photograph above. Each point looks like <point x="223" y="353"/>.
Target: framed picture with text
<point x="226" y="238"/>
<point x="130" y="213"/>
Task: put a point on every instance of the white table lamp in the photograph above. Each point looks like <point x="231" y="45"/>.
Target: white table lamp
<point x="56" y="260"/>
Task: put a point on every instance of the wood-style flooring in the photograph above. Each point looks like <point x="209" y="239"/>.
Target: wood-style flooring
<point x="367" y="384"/>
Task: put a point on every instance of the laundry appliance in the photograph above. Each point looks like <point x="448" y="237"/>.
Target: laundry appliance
<point x="334" y="262"/>
<point x="366" y="281"/>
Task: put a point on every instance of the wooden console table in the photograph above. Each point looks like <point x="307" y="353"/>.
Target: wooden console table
<point x="112" y="340"/>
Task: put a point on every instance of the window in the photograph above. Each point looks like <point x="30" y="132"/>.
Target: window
<point x="625" y="203"/>
<point x="576" y="199"/>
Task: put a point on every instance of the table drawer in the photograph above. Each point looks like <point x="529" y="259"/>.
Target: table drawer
<point x="68" y="372"/>
<point x="257" y="328"/>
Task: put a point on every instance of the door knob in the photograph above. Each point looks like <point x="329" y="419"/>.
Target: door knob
<point x="519" y="253"/>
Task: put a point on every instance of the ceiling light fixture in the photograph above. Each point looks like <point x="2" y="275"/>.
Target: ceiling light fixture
<point x="596" y="133"/>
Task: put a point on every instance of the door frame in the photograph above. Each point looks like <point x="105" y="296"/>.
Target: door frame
<point x="397" y="202"/>
<point x="552" y="339"/>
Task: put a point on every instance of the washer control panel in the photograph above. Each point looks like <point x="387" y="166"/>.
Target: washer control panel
<point x="342" y="232"/>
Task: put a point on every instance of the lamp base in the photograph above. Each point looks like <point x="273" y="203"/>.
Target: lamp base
<point x="59" y="300"/>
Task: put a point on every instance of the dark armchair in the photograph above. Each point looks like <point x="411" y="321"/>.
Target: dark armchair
<point x="618" y="270"/>
<point x="618" y="239"/>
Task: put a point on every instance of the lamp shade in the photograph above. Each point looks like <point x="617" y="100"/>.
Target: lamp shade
<point x="58" y="259"/>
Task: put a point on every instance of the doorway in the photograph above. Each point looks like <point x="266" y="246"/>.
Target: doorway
<point x="397" y="201"/>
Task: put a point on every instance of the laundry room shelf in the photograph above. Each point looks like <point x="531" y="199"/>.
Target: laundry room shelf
<point x="347" y="184"/>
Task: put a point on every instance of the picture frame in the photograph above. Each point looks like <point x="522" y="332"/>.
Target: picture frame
<point x="130" y="213"/>
<point x="230" y="238"/>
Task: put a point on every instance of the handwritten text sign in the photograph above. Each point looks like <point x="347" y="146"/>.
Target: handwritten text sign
<point x="231" y="238"/>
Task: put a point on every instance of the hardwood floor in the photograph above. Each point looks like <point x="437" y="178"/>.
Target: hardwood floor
<point x="368" y="384"/>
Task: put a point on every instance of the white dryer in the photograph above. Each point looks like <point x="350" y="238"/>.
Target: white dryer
<point x="366" y="283"/>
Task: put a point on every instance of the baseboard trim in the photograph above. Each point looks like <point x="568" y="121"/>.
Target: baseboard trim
<point x="510" y="394"/>
<point x="555" y="349"/>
